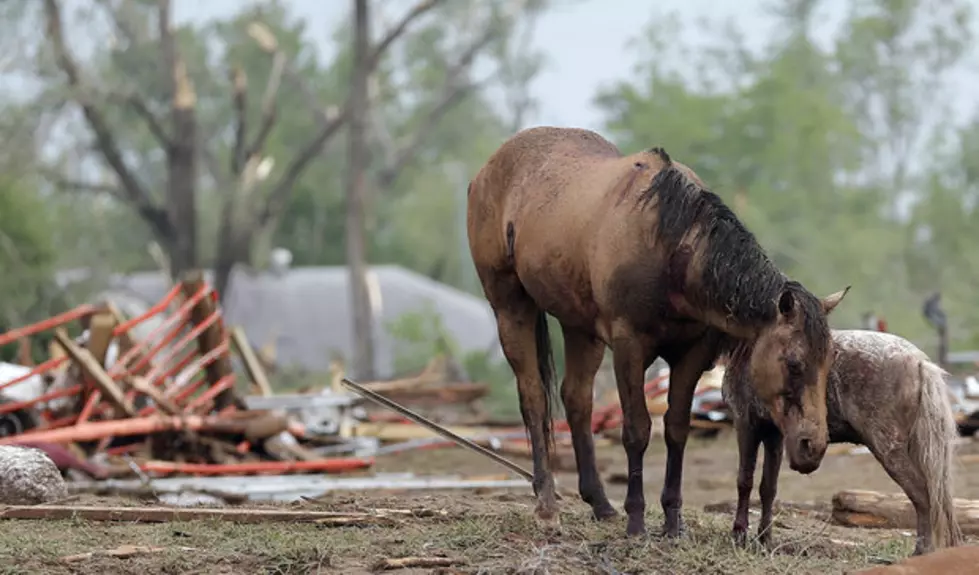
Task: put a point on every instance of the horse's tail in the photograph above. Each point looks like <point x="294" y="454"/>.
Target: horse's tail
<point x="545" y="364"/>
<point x="932" y="442"/>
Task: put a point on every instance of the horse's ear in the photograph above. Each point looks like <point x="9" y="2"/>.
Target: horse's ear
<point x="786" y="303"/>
<point x="831" y="301"/>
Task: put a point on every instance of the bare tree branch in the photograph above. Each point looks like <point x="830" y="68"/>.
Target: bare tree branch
<point x="454" y="91"/>
<point x="135" y="193"/>
<point x="279" y="195"/>
<point x="269" y="110"/>
<point x="138" y="104"/>
<point x="239" y="94"/>
<point x="65" y="183"/>
<point x="168" y="49"/>
<point x="398" y="29"/>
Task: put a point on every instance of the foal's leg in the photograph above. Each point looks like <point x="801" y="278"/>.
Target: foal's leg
<point x="582" y="358"/>
<point x="516" y="316"/>
<point x="684" y="376"/>
<point x="629" y="361"/>
<point x="901" y="468"/>
<point x="748" y="441"/>
<point x="768" y="487"/>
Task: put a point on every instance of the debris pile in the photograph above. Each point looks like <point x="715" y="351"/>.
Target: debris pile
<point x="157" y="395"/>
<point x="165" y="403"/>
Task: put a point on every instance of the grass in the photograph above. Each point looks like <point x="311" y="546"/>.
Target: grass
<point x="492" y="534"/>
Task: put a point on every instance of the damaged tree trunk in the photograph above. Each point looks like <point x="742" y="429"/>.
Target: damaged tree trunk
<point x="356" y="244"/>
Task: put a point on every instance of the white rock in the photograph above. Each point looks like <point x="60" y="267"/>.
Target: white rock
<point x="28" y="477"/>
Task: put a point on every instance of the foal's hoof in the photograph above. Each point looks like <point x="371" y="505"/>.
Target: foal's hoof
<point x="548" y="519"/>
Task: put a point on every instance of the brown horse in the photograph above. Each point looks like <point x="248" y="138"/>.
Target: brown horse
<point x="882" y="392"/>
<point x="633" y="253"/>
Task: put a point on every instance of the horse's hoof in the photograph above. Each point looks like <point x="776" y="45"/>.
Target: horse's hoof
<point x="740" y="537"/>
<point x="636" y="527"/>
<point x="548" y="519"/>
<point x="674" y="529"/>
<point x="605" y="513"/>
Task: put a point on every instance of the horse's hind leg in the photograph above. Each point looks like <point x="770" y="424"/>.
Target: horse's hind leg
<point x="583" y="356"/>
<point x="900" y="467"/>
<point x="517" y="317"/>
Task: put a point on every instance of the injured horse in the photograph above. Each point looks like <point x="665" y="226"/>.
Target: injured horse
<point x="882" y="392"/>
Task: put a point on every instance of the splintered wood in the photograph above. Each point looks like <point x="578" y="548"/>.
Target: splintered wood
<point x="871" y="509"/>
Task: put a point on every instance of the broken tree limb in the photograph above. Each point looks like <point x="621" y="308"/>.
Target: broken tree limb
<point x="875" y="510"/>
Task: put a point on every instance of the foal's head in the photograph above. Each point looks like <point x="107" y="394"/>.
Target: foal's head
<point x="789" y="365"/>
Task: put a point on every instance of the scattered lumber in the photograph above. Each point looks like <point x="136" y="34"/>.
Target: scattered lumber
<point x="875" y="510"/>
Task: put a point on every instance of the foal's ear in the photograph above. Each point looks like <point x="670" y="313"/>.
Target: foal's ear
<point x="831" y="301"/>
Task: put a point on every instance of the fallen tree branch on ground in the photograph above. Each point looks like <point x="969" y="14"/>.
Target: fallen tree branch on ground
<point x="875" y="510"/>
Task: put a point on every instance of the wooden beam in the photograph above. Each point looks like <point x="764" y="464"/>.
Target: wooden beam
<point x="100" y="335"/>
<point x="95" y="371"/>
<point x="168" y="514"/>
<point x="254" y="367"/>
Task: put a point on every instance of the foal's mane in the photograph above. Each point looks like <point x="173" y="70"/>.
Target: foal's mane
<point x="738" y="278"/>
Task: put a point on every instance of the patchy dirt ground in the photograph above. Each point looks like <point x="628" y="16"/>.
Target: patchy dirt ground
<point x="491" y="532"/>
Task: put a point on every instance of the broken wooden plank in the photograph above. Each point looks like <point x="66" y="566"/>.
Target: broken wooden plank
<point x="875" y="510"/>
<point x="100" y="335"/>
<point x="94" y="370"/>
<point x="167" y="514"/>
<point x="254" y="367"/>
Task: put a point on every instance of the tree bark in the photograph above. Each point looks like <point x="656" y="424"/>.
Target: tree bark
<point x="356" y="248"/>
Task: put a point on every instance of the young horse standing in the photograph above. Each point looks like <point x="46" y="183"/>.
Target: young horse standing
<point x="882" y="392"/>
<point x="633" y="253"/>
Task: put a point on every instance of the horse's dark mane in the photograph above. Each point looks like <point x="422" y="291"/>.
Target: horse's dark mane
<point x="738" y="278"/>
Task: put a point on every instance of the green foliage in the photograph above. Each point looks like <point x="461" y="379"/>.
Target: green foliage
<point x="817" y="148"/>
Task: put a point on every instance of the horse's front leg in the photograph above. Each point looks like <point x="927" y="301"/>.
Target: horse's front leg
<point x="748" y="442"/>
<point x="769" y="483"/>
<point x="629" y="363"/>
<point x="683" y="380"/>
